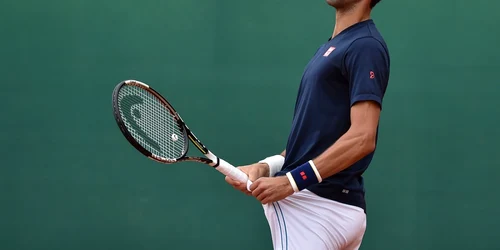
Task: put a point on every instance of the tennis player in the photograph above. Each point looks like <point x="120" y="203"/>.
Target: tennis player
<point x="313" y="192"/>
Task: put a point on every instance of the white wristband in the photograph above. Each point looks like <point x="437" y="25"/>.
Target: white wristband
<point x="275" y="163"/>
<point x="292" y="182"/>
<point x="315" y="171"/>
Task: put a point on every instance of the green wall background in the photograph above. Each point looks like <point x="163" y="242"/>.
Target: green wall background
<point x="69" y="180"/>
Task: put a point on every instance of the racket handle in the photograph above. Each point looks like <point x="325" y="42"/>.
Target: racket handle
<point x="233" y="173"/>
<point x="229" y="170"/>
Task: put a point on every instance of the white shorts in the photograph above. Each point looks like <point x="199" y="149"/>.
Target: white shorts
<point x="305" y="221"/>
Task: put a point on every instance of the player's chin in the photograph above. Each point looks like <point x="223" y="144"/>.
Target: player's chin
<point x="336" y="3"/>
<point x="331" y="2"/>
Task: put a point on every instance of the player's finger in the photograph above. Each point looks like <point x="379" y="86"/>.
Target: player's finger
<point x="237" y="185"/>
<point x="271" y="197"/>
<point x="264" y="193"/>
<point x="264" y="201"/>
<point x="231" y="181"/>
<point x="256" y="190"/>
<point x="254" y="185"/>
<point x="242" y="187"/>
<point x="253" y="176"/>
<point x="246" y="191"/>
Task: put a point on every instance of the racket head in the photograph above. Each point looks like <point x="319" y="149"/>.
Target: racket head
<point x="149" y="122"/>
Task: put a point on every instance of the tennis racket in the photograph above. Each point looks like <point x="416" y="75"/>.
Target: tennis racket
<point x="150" y="123"/>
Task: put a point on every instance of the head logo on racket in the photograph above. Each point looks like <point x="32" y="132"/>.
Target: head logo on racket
<point x="130" y="113"/>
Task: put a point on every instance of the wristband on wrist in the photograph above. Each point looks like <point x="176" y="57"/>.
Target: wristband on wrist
<point x="275" y="163"/>
<point x="304" y="176"/>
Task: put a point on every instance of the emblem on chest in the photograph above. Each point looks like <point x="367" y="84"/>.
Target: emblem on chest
<point x="329" y="51"/>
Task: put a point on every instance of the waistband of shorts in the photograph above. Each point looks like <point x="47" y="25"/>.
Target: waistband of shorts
<point x="349" y="197"/>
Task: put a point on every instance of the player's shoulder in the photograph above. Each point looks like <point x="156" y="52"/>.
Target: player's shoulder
<point x="367" y="35"/>
<point x="368" y="43"/>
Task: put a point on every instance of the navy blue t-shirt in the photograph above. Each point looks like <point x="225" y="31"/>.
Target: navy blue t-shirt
<point x="351" y="67"/>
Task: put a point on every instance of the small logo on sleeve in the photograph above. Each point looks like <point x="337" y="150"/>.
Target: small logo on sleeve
<point x="372" y="75"/>
<point x="329" y="51"/>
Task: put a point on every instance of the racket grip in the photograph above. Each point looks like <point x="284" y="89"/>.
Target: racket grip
<point x="233" y="173"/>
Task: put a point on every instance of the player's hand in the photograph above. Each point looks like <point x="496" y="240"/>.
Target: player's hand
<point x="254" y="172"/>
<point x="271" y="189"/>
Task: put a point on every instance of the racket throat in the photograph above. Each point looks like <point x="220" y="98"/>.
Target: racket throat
<point x="197" y="143"/>
<point x="215" y="160"/>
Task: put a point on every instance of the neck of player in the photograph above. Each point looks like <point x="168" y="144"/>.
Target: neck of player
<point x="348" y="16"/>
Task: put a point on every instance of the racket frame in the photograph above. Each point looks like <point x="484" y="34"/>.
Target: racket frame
<point x="209" y="159"/>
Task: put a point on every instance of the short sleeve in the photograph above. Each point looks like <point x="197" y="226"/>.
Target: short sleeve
<point x="367" y="66"/>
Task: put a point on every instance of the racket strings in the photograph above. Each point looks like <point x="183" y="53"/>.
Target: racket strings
<point x="150" y="123"/>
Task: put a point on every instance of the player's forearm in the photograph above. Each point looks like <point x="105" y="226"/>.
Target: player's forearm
<point x="350" y="148"/>
<point x="283" y="153"/>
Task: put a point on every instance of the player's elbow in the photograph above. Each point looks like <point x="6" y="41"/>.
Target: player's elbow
<point x="367" y="142"/>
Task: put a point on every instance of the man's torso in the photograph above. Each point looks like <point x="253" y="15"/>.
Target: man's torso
<point x="322" y="116"/>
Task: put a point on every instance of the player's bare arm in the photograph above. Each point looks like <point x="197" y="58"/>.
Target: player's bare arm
<point x="356" y="143"/>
